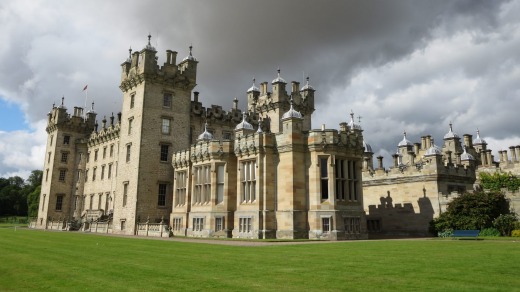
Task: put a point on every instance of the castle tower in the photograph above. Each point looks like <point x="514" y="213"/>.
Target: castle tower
<point x="65" y="154"/>
<point x="291" y="214"/>
<point x="155" y="123"/>
<point x="452" y="145"/>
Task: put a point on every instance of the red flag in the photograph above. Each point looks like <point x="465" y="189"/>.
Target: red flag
<point x="85" y="87"/>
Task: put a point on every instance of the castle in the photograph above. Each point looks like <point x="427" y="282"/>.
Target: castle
<point x="166" y="165"/>
<point x="169" y="165"/>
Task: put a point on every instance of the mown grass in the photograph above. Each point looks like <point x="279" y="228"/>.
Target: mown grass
<point x="33" y="260"/>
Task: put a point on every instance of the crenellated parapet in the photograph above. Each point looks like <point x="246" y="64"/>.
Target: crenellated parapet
<point x="334" y="140"/>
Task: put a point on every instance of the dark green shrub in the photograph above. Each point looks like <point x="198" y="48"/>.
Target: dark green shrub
<point x="505" y="223"/>
<point x="489" y="232"/>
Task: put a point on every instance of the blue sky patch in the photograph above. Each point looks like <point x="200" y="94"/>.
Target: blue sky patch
<point x="11" y="117"/>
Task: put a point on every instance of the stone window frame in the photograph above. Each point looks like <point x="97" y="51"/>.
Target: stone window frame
<point x="62" y="175"/>
<point x="326" y="224"/>
<point x="219" y="223"/>
<point x="43" y="201"/>
<point x="66" y="139"/>
<point x="220" y="182"/>
<point x="103" y="171"/>
<point x="162" y="193"/>
<point x="202" y="183"/>
<point x="340" y="179"/>
<point x="104" y="152"/>
<point x="180" y="187"/>
<point x="177" y="223"/>
<point x="198" y="223"/>
<point x="163" y="154"/>
<point x="96" y="151"/>
<point x="353" y="181"/>
<point x="64" y="156"/>
<point x="323" y="174"/>
<point x="167" y="103"/>
<point x="59" y="202"/>
<point x="125" y="193"/>
<point x="132" y="100"/>
<point x="130" y="122"/>
<point x="245" y="224"/>
<point x="111" y="150"/>
<point x="248" y="180"/>
<point x="352" y="224"/>
<point x="166" y="125"/>
<point x="128" y="151"/>
<point x="109" y="174"/>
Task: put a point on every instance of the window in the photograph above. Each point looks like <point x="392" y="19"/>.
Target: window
<point x="111" y="150"/>
<point x="248" y="177"/>
<point x="64" y="157"/>
<point x="59" y="202"/>
<point x="220" y="184"/>
<point x="165" y="129"/>
<point x="51" y="138"/>
<point x="130" y="120"/>
<point x="107" y="201"/>
<point x="164" y="152"/>
<point x="125" y="193"/>
<point x="374" y="225"/>
<point x="109" y="170"/>
<point x="94" y="173"/>
<point x="132" y="100"/>
<point x="128" y="148"/>
<point x="202" y="184"/>
<point x="86" y="175"/>
<point x="324" y="178"/>
<point x="325" y="224"/>
<point x="244" y="224"/>
<point x="161" y="198"/>
<point x="91" y="203"/>
<point x="88" y="157"/>
<point x="123" y="225"/>
<point x="198" y="224"/>
<point x="49" y="157"/>
<point x="341" y="179"/>
<point x="167" y="100"/>
<point x="78" y="175"/>
<point x="180" y="188"/>
<point x="63" y="173"/>
<point x="96" y="154"/>
<point x="102" y="172"/>
<point x="177" y="224"/>
<point x="66" y="140"/>
<point x="46" y="174"/>
<point x="352" y="225"/>
<point x="226" y="135"/>
<point x="352" y="181"/>
<point x="100" y="199"/>
<point x="43" y="202"/>
<point x="219" y="224"/>
<point x="104" y="152"/>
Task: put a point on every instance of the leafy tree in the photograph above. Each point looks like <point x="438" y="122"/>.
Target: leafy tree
<point x="473" y="211"/>
<point x="14" y="194"/>
<point x="33" y="201"/>
<point x="498" y="181"/>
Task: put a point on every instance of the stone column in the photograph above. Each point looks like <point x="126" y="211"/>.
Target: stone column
<point x="395" y="157"/>
<point x="483" y="158"/>
<point x="513" y="154"/>
<point x="488" y="158"/>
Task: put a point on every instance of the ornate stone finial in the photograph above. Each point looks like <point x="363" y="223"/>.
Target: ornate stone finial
<point x="92" y="106"/>
<point x="404" y="134"/>
<point x="149" y="37"/>
<point x="62" y="101"/>
<point x="451" y="126"/>
<point x="191" y="48"/>
<point x="351" y="115"/>
<point x="307" y="80"/>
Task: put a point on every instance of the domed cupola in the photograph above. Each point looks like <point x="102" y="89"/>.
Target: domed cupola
<point x="405" y="142"/>
<point x="450" y="134"/>
<point x="367" y="147"/>
<point x="478" y="140"/>
<point x="149" y="45"/>
<point x="307" y="86"/>
<point x="205" y="136"/>
<point x="433" y="150"/>
<point x="190" y="56"/>
<point x="292" y="113"/>
<point x="466" y="156"/>
<point x="244" y="125"/>
<point x="253" y="88"/>
<point x="278" y="79"/>
<point x="352" y="125"/>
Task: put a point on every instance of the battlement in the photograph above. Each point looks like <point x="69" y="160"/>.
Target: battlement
<point x="107" y="133"/>
<point x="330" y="138"/>
<point x="142" y="65"/>
<point x="58" y="117"/>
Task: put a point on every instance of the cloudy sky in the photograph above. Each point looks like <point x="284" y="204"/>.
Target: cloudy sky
<point x="400" y="65"/>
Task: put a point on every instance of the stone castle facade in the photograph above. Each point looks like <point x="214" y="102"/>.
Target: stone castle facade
<point x="167" y="165"/>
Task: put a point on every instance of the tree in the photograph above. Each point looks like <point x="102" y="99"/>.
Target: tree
<point x="505" y="223"/>
<point x="33" y="201"/>
<point x="473" y="211"/>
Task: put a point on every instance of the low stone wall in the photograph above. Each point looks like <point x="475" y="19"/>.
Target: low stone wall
<point x="153" y="229"/>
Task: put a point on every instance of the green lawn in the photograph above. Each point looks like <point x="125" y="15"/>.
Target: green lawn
<point x="34" y="260"/>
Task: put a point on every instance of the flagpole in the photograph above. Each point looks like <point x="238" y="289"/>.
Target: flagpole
<point x="86" y="97"/>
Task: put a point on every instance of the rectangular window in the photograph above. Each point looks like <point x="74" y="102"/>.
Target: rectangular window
<point x="198" y="224"/>
<point x="132" y="100"/>
<point x="164" y="152"/>
<point x="352" y="181"/>
<point x="325" y="224"/>
<point x="161" y="198"/>
<point x="125" y="193"/>
<point x="167" y="100"/>
<point x="104" y="152"/>
<point x="165" y="129"/>
<point x="59" y="202"/>
<point x="64" y="157"/>
<point x="109" y="171"/>
<point x="202" y="184"/>
<point x="86" y="175"/>
<point x="96" y="154"/>
<point x="78" y="175"/>
<point x="43" y="202"/>
<point x="226" y="135"/>
<point x="49" y="157"/>
<point x="244" y="224"/>
<point x="52" y="138"/>
<point x="180" y="188"/>
<point x="352" y="225"/>
<point x="123" y="225"/>
<point x="220" y="184"/>
<point x="341" y="179"/>
<point x="88" y="157"/>
<point x="219" y="224"/>
<point x="324" y="174"/>
<point x="91" y="203"/>
<point x="374" y="225"/>
<point x="63" y="173"/>
<point x="111" y="150"/>
<point x="130" y="120"/>
<point x="66" y="140"/>
<point x="248" y="178"/>
<point x="128" y="148"/>
<point x="177" y="224"/>
<point x="100" y="199"/>
<point x="107" y="201"/>
<point x="94" y="173"/>
<point x="102" y="172"/>
<point x="46" y="174"/>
